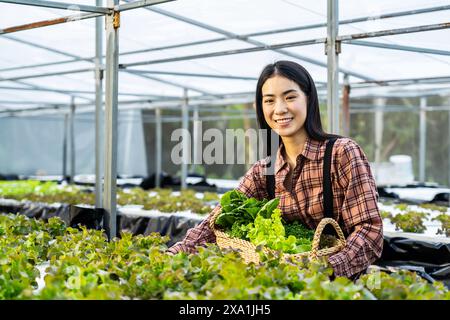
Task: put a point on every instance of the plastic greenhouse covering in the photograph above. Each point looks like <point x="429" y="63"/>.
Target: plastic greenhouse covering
<point x="147" y="64"/>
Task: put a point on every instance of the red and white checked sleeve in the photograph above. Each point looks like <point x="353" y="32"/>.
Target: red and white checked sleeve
<point x="360" y="214"/>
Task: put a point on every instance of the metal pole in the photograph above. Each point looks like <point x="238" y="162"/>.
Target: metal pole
<point x="397" y="47"/>
<point x="379" y="103"/>
<point x="403" y="82"/>
<point x="139" y="4"/>
<point x="172" y="83"/>
<point x="72" y="140"/>
<point x="46" y="23"/>
<point x="346" y="107"/>
<point x="423" y="138"/>
<point x="448" y="144"/>
<point x="448" y="150"/>
<point x="158" y="159"/>
<point x="98" y="108"/>
<point x="196" y="134"/>
<point x="111" y="110"/>
<point x="190" y="74"/>
<point x="332" y="65"/>
<point x="392" y="32"/>
<point x="186" y="140"/>
<point x="47" y="74"/>
<point x="66" y="124"/>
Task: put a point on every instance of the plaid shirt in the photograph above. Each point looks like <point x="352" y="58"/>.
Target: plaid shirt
<point x="354" y="201"/>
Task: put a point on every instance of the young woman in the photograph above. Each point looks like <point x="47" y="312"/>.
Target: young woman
<point x="287" y="103"/>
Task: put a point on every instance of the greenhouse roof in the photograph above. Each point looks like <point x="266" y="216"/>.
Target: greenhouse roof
<point x="216" y="50"/>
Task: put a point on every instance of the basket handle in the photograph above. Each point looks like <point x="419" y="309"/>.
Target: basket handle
<point x="319" y="230"/>
<point x="212" y="219"/>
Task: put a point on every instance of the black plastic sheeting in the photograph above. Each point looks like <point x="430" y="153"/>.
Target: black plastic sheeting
<point x="173" y="226"/>
<point x="35" y="210"/>
<point x="440" y="199"/>
<point x="431" y="260"/>
<point x="166" y="224"/>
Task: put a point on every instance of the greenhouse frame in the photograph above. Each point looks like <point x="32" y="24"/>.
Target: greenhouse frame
<point x="220" y="75"/>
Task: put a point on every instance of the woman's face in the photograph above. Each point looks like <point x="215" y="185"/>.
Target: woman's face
<point x="284" y="106"/>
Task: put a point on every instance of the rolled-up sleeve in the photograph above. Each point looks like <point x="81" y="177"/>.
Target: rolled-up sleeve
<point x="360" y="214"/>
<point x="202" y="233"/>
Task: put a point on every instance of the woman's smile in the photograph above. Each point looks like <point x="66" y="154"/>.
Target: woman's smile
<point x="284" y="122"/>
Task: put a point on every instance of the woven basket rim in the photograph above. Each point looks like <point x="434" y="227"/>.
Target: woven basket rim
<point x="248" y="249"/>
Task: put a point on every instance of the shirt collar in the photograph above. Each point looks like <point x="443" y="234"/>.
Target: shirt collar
<point x="312" y="150"/>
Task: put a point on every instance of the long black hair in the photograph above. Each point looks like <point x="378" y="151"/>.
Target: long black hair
<point x="295" y="72"/>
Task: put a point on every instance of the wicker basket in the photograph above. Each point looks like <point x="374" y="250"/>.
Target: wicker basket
<point x="248" y="252"/>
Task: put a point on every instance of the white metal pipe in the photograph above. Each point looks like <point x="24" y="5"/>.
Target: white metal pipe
<point x="196" y="139"/>
<point x="138" y="4"/>
<point x="186" y="141"/>
<point x="379" y="103"/>
<point x="72" y="140"/>
<point x="158" y="154"/>
<point x="64" y="156"/>
<point x="111" y="110"/>
<point x="392" y="32"/>
<point x="423" y="137"/>
<point x="46" y="23"/>
<point x="448" y="148"/>
<point x="98" y="109"/>
<point x="332" y="63"/>
<point x="397" y="47"/>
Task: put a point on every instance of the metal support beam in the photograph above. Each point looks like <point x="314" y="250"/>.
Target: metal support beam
<point x="379" y="103"/>
<point x="93" y="12"/>
<point x="36" y="87"/>
<point x="137" y="73"/>
<point x="186" y="140"/>
<point x="392" y="32"/>
<point x="185" y="74"/>
<point x="346" y="108"/>
<point x="73" y="92"/>
<point x="255" y="34"/>
<point x="46" y="23"/>
<point x="353" y="20"/>
<point x="138" y="4"/>
<point x="60" y="5"/>
<point x="196" y="139"/>
<point x="258" y="44"/>
<point x="403" y="82"/>
<point x="367" y="108"/>
<point x="171" y="83"/>
<point x="448" y="146"/>
<point x="47" y="74"/>
<point x="397" y="47"/>
<point x="423" y="138"/>
<point x="98" y="109"/>
<point x="72" y="140"/>
<point x="158" y="153"/>
<point x="111" y="110"/>
<point x="228" y="52"/>
<point x="64" y="155"/>
<point x="204" y="118"/>
<point x="332" y="63"/>
<point x="40" y="46"/>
